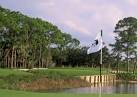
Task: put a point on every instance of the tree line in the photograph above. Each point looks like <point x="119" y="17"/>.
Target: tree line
<point x="124" y="50"/>
<point x="27" y="42"/>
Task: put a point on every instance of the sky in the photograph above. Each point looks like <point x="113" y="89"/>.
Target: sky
<point x="83" y="19"/>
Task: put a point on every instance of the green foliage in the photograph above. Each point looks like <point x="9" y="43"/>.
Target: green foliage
<point x="126" y="39"/>
<point x="126" y="76"/>
<point x="27" y="42"/>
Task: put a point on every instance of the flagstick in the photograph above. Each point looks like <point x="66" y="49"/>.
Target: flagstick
<point x="100" y="92"/>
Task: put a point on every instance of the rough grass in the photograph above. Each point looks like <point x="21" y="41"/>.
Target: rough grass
<point x="10" y="78"/>
<point x="45" y="84"/>
<point x="7" y="72"/>
<point x="9" y="93"/>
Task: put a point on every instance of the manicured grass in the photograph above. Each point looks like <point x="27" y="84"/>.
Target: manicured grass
<point x="71" y="71"/>
<point x="9" y="93"/>
<point x="49" y="72"/>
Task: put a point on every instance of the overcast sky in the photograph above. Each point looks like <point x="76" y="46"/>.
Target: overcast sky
<point x="83" y="19"/>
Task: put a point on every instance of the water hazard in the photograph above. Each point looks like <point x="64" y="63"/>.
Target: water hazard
<point x="107" y="88"/>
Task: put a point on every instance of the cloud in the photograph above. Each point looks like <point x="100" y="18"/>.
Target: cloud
<point x="131" y="2"/>
<point x="81" y="18"/>
<point x="76" y="26"/>
<point x="47" y="4"/>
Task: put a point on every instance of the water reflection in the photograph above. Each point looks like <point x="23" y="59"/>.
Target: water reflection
<point x="107" y="88"/>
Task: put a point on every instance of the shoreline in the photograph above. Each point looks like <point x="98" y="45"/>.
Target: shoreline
<point x="131" y="81"/>
<point x="45" y="84"/>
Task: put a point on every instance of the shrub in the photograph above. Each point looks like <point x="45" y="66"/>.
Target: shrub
<point x="126" y="76"/>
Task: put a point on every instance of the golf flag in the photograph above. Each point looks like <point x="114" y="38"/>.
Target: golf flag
<point x="97" y="44"/>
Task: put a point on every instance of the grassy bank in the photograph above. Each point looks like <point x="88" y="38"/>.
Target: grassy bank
<point x="53" y="78"/>
<point x="9" y="93"/>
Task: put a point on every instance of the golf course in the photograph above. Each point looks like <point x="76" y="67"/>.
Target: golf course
<point x="68" y="48"/>
<point x="54" y="78"/>
<point x="9" y="89"/>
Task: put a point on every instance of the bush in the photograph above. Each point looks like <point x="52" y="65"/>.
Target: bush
<point x="126" y="76"/>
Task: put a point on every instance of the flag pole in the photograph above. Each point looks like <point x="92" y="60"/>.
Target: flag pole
<point x="101" y="65"/>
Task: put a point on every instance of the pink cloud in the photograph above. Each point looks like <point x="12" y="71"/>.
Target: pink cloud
<point x="79" y="17"/>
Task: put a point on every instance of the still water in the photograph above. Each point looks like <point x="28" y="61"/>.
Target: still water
<point x="108" y="88"/>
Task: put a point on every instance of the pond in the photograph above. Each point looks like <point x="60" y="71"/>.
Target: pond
<point x="108" y="88"/>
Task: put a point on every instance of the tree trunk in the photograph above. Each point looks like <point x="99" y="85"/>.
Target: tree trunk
<point x="127" y="60"/>
<point x="40" y="57"/>
<point x="22" y="59"/>
<point x="15" y="61"/>
<point x="7" y="54"/>
<point x="8" y="62"/>
<point x="5" y="61"/>
<point x="24" y="62"/>
<point x="134" y="68"/>
<point x="47" y="62"/>
<point x="42" y="63"/>
<point x="118" y="63"/>
<point x="47" y="59"/>
<point x="12" y="58"/>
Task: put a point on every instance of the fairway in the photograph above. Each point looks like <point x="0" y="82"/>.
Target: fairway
<point x="11" y="93"/>
<point x="71" y="71"/>
<point x="52" y="71"/>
